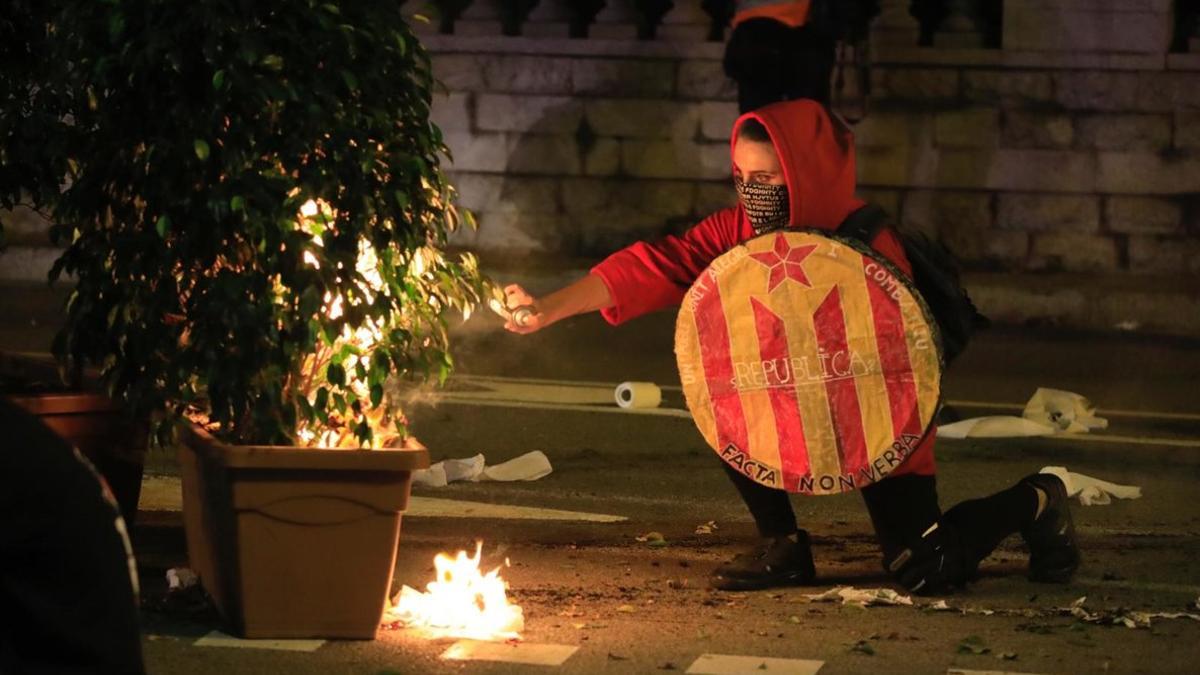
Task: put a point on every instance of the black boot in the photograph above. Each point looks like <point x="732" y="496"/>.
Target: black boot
<point x="776" y="561"/>
<point x="937" y="562"/>
<point x="1053" y="551"/>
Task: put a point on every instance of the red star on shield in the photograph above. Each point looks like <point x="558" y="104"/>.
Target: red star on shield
<point x="784" y="262"/>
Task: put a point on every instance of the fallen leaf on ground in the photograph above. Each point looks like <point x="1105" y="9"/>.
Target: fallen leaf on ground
<point x="706" y="528"/>
<point x="863" y="647"/>
<point x="626" y="609"/>
<point x="973" y="645"/>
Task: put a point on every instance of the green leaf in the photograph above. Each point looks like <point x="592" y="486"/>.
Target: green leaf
<point x="163" y="225"/>
<point x="218" y="79"/>
<point x="201" y="148"/>
<point x="376" y="394"/>
<point x="350" y="80"/>
<point x="237" y="203"/>
<point x="272" y="62"/>
<point x="336" y="374"/>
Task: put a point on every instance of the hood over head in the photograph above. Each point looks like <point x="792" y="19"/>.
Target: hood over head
<point x="816" y="151"/>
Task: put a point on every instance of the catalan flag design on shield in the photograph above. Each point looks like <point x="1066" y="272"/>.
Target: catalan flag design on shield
<point x="808" y="362"/>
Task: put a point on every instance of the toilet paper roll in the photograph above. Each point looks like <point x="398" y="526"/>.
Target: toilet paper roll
<point x="638" y="395"/>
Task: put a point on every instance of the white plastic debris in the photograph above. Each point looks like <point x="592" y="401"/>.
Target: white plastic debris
<point x="1090" y="490"/>
<point x="863" y="597"/>
<point x="180" y="578"/>
<point x="1064" y="410"/>
<point x="530" y="466"/>
<point x="1048" y="412"/>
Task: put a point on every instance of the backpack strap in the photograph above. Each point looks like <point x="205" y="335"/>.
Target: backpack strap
<point x="864" y="223"/>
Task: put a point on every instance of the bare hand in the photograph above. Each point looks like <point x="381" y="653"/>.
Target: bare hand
<point x="523" y="311"/>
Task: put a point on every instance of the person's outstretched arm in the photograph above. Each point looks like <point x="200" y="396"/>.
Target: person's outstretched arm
<point x="638" y="279"/>
<point x="589" y="294"/>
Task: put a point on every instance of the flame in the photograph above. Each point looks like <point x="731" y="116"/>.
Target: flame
<point x="460" y="602"/>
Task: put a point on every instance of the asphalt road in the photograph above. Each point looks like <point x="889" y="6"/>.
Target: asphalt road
<point x="631" y="608"/>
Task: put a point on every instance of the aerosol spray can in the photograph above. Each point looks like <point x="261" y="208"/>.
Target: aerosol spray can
<point x="521" y="315"/>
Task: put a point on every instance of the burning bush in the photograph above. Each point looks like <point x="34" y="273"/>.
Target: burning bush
<point x="255" y="214"/>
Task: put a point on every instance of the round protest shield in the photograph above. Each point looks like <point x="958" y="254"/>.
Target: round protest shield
<point x="808" y="362"/>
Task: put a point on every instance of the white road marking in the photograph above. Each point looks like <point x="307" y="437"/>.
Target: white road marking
<point x="1189" y="590"/>
<point x="1111" y="412"/>
<point x="564" y="383"/>
<point x="487" y="402"/>
<point x="963" y="671"/>
<point x="1128" y="440"/>
<point x="539" y="394"/>
<point x="432" y="507"/>
<point x="510" y="652"/>
<point x="219" y="639"/>
<point x="164" y="493"/>
<point x="728" y="664"/>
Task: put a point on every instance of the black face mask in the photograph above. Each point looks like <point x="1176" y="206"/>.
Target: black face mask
<point x="766" y="205"/>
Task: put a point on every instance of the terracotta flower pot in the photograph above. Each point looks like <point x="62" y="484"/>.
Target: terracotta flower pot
<point x="88" y="421"/>
<point x="295" y="542"/>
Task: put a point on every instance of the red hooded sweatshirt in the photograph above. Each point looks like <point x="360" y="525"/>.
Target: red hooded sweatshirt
<point x="817" y="156"/>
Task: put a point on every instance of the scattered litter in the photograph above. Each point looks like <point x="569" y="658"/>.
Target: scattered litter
<point x="218" y="639"/>
<point x="707" y="528"/>
<point x="862" y="597"/>
<point x="1120" y="616"/>
<point x="509" y="652"/>
<point x="1064" y="410"/>
<point x="973" y="644"/>
<point x="1092" y="491"/>
<point x="939" y="606"/>
<point x="638" y="395"/>
<point x="1128" y="325"/>
<point x="181" y="578"/>
<point x="655" y="539"/>
<point x="627" y="609"/>
<point x="527" y="467"/>
<point x="1048" y="412"/>
<point x="793" y="619"/>
<point x="728" y="664"/>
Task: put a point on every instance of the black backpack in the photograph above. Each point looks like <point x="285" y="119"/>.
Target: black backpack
<point x="935" y="275"/>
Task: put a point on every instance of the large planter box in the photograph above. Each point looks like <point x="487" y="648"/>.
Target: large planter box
<point x="295" y="542"/>
<point x="91" y="422"/>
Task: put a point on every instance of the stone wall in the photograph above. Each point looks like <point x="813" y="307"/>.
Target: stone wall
<point x="1022" y="158"/>
<point x="1072" y="144"/>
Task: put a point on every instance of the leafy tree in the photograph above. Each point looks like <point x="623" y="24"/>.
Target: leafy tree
<point x="255" y="189"/>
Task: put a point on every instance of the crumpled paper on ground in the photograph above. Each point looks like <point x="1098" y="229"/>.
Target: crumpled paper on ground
<point x="1048" y="412"/>
<point x="1092" y="491"/>
<point x="527" y="467"/>
<point x="863" y="597"/>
